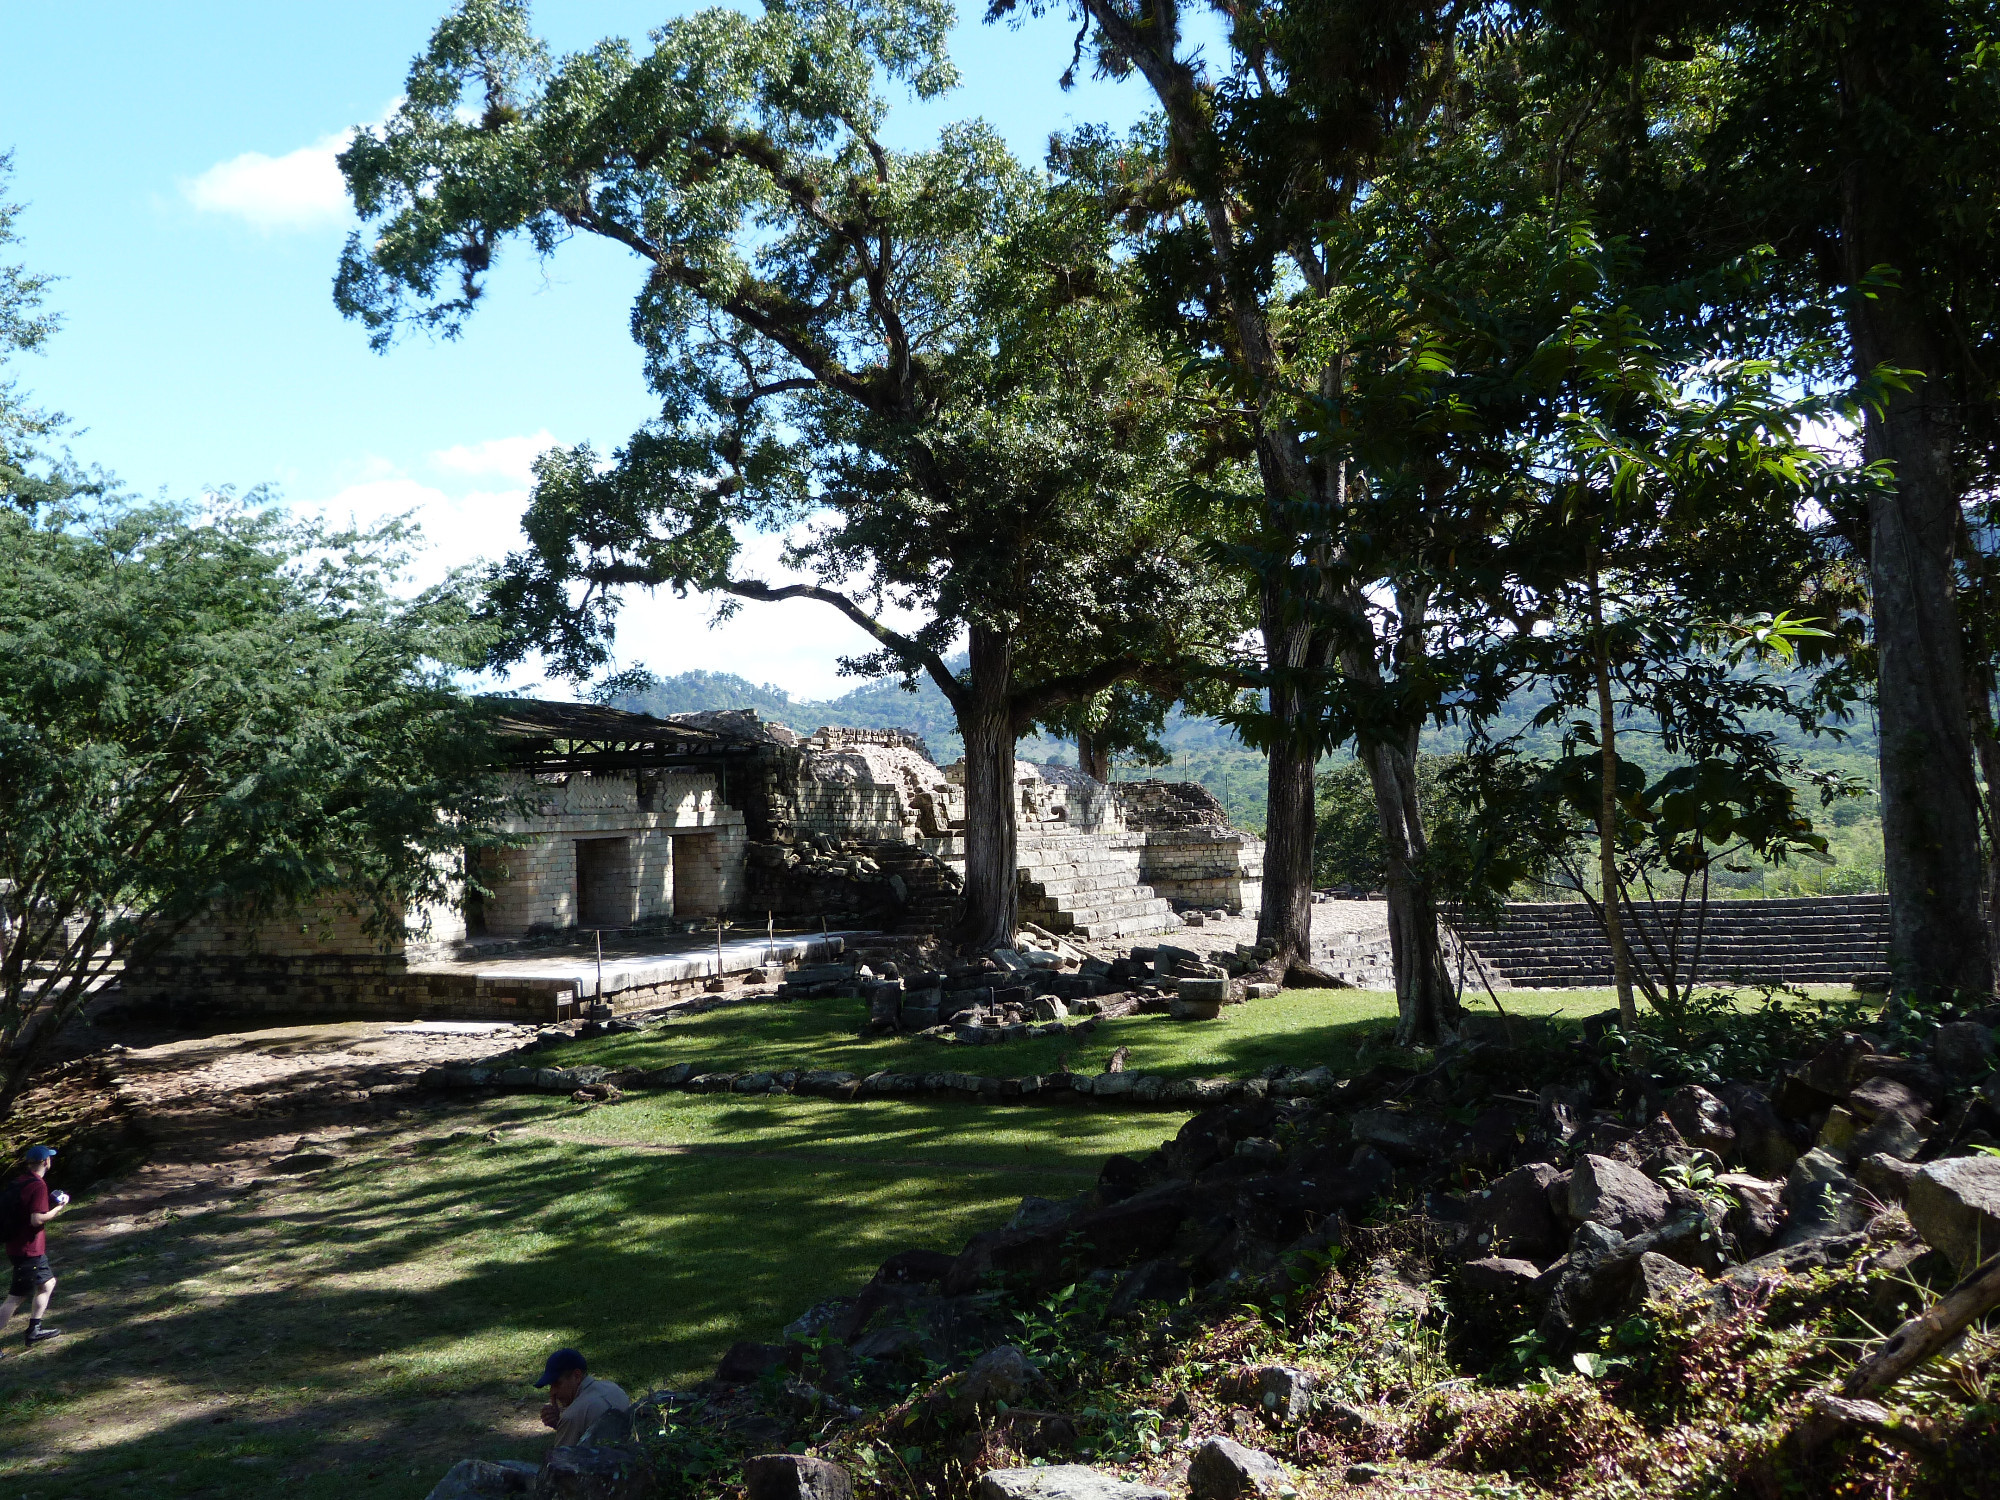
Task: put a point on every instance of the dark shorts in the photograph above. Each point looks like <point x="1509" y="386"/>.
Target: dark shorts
<point x="31" y="1274"/>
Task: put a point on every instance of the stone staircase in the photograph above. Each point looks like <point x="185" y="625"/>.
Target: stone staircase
<point x="1088" y="886"/>
<point x="1809" y="940"/>
<point x="936" y="890"/>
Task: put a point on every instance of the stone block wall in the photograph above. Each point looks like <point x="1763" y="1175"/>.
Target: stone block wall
<point x="1201" y="869"/>
<point x="662" y="818"/>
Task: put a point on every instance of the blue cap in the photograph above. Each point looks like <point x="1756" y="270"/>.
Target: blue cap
<point x="41" y="1153"/>
<point x="561" y="1363"/>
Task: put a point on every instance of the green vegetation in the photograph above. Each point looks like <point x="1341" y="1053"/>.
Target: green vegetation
<point x="1299" y="1028"/>
<point x="356" y="1330"/>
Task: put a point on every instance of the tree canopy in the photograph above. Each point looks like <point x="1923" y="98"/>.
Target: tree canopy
<point x="208" y="708"/>
<point x="919" y="365"/>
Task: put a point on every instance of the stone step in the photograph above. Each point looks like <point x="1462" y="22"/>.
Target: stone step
<point x="1129" y="927"/>
<point x="1116" y="911"/>
<point x="1065" y="886"/>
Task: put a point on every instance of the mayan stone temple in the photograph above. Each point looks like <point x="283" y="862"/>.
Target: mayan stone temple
<point x="705" y="844"/>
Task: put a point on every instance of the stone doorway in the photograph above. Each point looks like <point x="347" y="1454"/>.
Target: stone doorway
<point x="606" y="889"/>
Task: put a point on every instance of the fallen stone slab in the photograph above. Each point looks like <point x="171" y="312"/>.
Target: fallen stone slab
<point x="1223" y="1469"/>
<point x="1062" y="1482"/>
<point x="794" y="1476"/>
<point x="1955" y="1206"/>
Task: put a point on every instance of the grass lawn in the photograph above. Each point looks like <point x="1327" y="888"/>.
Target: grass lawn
<point x="351" y="1333"/>
<point x="1297" y="1027"/>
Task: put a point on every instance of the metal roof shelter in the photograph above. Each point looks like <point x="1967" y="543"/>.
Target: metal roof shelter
<point x="568" y="738"/>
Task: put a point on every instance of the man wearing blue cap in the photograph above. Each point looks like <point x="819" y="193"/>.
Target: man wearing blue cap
<point x="578" y="1398"/>
<point x="26" y="1205"/>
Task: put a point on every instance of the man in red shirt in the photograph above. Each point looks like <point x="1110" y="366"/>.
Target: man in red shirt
<point x="26" y="1205"/>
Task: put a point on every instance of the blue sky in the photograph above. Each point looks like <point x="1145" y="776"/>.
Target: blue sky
<point x="176" y="164"/>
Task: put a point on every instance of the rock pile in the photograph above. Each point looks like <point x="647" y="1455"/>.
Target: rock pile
<point x="1602" y="1191"/>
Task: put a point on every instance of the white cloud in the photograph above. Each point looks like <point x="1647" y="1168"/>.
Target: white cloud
<point x="796" y="644"/>
<point x="302" y="189"/>
<point x="506" y="458"/>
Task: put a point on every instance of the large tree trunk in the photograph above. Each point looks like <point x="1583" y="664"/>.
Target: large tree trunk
<point x="1607" y="813"/>
<point x="1988" y="746"/>
<point x="1930" y="801"/>
<point x="986" y="720"/>
<point x="1093" y="756"/>
<point x="1426" y="999"/>
<point x="1290" y="811"/>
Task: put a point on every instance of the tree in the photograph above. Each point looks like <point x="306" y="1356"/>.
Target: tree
<point x="220" y="708"/>
<point x="1860" y="142"/>
<point x="921" y="359"/>
<point x="24" y="328"/>
<point x="1229" y="197"/>
<point x="1587" y="478"/>
<point x="1347" y="846"/>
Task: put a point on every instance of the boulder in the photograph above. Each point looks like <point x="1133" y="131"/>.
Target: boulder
<point x="1758" y="1213"/>
<point x="1603" y="1191"/>
<point x="1403" y="1135"/>
<point x="1214" y="991"/>
<point x="1061" y="1482"/>
<point x="1226" y="1470"/>
<point x="1598" y="1274"/>
<point x="1830" y="1071"/>
<point x="1499" y="1276"/>
<point x="1658" y="1277"/>
<point x="1763" y="1144"/>
<point x="1281" y="1392"/>
<point x="619" y="1472"/>
<point x="794" y="1476"/>
<point x="484" y="1479"/>
<point x="1824" y="1202"/>
<point x="1877" y="1097"/>
<point x="1887" y="1176"/>
<point x="1183" y="1009"/>
<point x="1150" y="1281"/>
<point x="1702" y="1119"/>
<point x="1049" y="1008"/>
<point x="1955" y="1206"/>
<point x="997" y="1376"/>
<point x="745" y="1361"/>
<point x="1511" y="1216"/>
<point x="1963" y="1049"/>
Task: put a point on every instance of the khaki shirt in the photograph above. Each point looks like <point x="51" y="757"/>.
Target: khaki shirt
<point x="593" y="1399"/>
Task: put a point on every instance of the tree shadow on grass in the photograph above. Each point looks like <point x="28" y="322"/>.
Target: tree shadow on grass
<point x="356" y="1323"/>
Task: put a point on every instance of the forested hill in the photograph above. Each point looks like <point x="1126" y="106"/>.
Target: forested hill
<point x="1203" y="750"/>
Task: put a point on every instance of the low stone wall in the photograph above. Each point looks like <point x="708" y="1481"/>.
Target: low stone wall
<point x="1143" y="1090"/>
<point x="349" y="988"/>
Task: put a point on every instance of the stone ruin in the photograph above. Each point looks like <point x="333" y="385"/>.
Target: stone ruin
<point x="646" y="829"/>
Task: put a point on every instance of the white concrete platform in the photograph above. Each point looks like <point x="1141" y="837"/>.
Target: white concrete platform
<point x="658" y="962"/>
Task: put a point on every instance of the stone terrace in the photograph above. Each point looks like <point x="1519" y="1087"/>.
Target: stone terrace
<point x="1811" y="940"/>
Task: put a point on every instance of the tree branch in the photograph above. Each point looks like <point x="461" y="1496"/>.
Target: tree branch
<point x="902" y="645"/>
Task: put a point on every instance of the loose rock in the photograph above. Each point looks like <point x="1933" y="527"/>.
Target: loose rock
<point x="1062" y="1482"/>
<point x="1955" y="1206"/>
<point x="793" y="1476"/>
<point x="1602" y="1191"/>
<point x="1226" y="1470"/>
